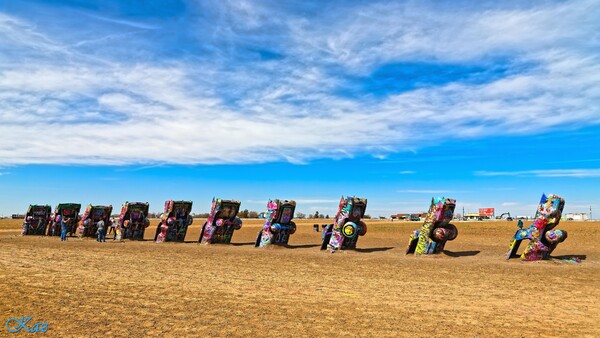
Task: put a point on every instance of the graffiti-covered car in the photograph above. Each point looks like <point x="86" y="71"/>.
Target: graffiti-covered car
<point x="347" y="226"/>
<point x="36" y="219"/>
<point x="69" y="213"/>
<point x="542" y="238"/>
<point x="174" y="221"/>
<point x="278" y="225"/>
<point x="92" y="215"/>
<point x="436" y="229"/>
<point x="222" y="221"/>
<point x="133" y="220"/>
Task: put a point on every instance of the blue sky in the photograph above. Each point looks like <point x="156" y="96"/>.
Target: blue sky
<point x="489" y="103"/>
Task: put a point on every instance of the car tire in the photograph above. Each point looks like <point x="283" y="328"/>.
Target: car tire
<point x="349" y="230"/>
<point x="452" y="231"/>
<point x="293" y="228"/>
<point x="363" y="228"/>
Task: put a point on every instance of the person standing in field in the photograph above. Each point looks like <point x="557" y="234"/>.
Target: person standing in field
<point x="100" y="231"/>
<point x="63" y="228"/>
<point x="118" y="236"/>
<point x="52" y="226"/>
<point x="58" y="221"/>
<point x="113" y="228"/>
<point x="80" y="230"/>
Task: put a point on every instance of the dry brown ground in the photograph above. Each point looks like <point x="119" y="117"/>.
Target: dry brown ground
<point x="85" y="288"/>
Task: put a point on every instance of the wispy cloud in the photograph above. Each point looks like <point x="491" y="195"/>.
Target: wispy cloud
<point x="407" y="172"/>
<point x="128" y="23"/>
<point x="578" y="161"/>
<point x="579" y="173"/>
<point x="233" y="90"/>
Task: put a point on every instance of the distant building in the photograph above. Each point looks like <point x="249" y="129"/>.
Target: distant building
<point x="484" y="213"/>
<point x="581" y="216"/>
<point x="472" y="217"/>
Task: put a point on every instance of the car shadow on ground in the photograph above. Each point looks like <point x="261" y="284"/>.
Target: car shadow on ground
<point x="243" y="243"/>
<point x="386" y="248"/>
<point x="303" y="246"/>
<point x="570" y="257"/>
<point x="461" y="253"/>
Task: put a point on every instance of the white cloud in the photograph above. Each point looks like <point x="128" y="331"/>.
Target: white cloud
<point x="91" y="108"/>
<point x="578" y="173"/>
<point x="134" y="24"/>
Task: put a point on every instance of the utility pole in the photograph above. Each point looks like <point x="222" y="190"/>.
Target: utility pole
<point x="591" y="213"/>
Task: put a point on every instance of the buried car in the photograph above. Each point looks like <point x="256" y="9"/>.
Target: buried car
<point x="133" y="220"/>
<point x="174" y="221"/>
<point x="221" y="222"/>
<point x="278" y="225"/>
<point x="347" y="226"/>
<point x="542" y="238"/>
<point x="69" y="213"/>
<point x="36" y="220"/>
<point x="92" y="215"/>
<point x="436" y="230"/>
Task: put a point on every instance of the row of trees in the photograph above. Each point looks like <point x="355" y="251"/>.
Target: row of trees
<point x="300" y="215"/>
<point x="241" y="214"/>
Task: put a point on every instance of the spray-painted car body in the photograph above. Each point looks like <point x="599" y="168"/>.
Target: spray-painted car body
<point x="92" y="215"/>
<point x="133" y="220"/>
<point x="436" y="229"/>
<point x="69" y="213"/>
<point x="36" y="219"/>
<point x="542" y="238"/>
<point x="347" y="226"/>
<point x="174" y="221"/>
<point x="278" y="225"/>
<point x="222" y="221"/>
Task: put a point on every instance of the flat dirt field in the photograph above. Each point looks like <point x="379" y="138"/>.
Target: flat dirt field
<point x="136" y="289"/>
